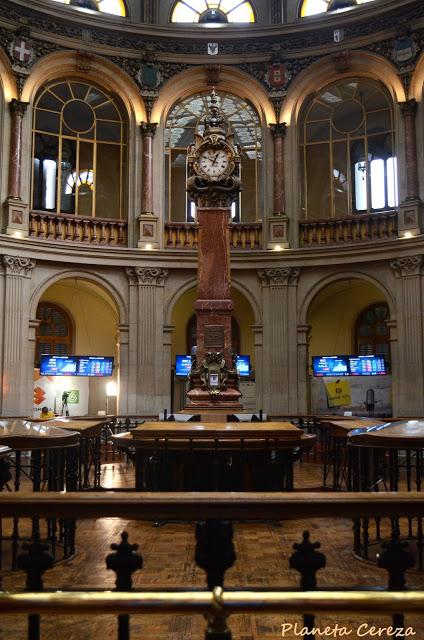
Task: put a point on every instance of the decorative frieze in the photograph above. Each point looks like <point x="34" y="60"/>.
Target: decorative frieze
<point x="17" y="266"/>
<point x="280" y="276"/>
<point x="155" y="276"/>
<point x="409" y="266"/>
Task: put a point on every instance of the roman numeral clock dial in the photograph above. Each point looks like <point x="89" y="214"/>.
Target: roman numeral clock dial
<point x="214" y="162"/>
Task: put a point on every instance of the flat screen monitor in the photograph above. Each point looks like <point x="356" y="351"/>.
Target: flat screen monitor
<point x="243" y="366"/>
<point x="95" y="366"/>
<point x="58" y="365"/>
<point x="182" y="365"/>
<point x="336" y="366"/>
<point x="367" y="366"/>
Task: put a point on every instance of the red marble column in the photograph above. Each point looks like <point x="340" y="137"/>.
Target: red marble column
<point x="17" y="109"/>
<point x="214" y="305"/>
<point x="148" y="130"/>
<point x="279" y="133"/>
<point x="409" y="110"/>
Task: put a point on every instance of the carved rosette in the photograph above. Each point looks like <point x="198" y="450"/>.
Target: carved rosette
<point x="280" y="276"/>
<point x="16" y="266"/>
<point x="409" y="266"/>
<point x="154" y="276"/>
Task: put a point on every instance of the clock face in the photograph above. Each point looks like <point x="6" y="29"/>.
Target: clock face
<point x="214" y="162"/>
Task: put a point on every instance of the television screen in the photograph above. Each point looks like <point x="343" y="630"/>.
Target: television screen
<point x="367" y="366"/>
<point x="243" y="366"/>
<point x="94" y="366"/>
<point x="182" y="365"/>
<point x="58" y="365"/>
<point x="336" y="366"/>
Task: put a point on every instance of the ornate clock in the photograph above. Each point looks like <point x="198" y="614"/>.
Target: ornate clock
<point x="213" y="162"/>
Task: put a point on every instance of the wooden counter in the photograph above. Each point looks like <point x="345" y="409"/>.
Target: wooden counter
<point x="25" y="435"/>
<point x="220" y="430"/>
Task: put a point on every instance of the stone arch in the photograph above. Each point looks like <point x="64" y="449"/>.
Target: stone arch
<point x="7" y="78"/>
<point x="417" y="81"/>
<point x="343" y="275"/>
<point x="102" y="282"/>
<point x="323" y="72"/>
<point x="102" y="72"/>
<point x="194" y="80"/>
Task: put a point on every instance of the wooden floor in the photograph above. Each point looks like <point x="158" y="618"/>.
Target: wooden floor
<point x="262" y="562"/>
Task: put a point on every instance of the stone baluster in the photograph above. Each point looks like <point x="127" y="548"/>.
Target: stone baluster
<point x="147" y="392"/>
<point x="17" y="359"/>
<point x="411" y="209"/>
<point x="280" y="339"/>
<point x="148" y="236"/>
<point x="278" y="222"/>
<point x="18" y="214"/>
<point x="409" y="302"/>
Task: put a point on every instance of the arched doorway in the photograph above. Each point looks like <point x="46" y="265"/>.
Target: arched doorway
<point x="336" y="317"/>
<point x="89" y="317"/>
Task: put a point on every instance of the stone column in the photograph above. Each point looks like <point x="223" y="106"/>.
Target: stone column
<point x="280" y="377"/>
<point x="410" y="210"/>
<point x="18" y="359"/>
<point x="303" y="384"/>
<point x="123" y="372"/>
<point x="148" y="383"/>
<point x="410" y="366"/>
<point x="278" y="222"/>
<point x="148" y="238"/>
<point x="17" y="210"/>
<point x="394" y="353"/>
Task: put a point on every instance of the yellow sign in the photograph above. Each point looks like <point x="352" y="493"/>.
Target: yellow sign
<point x="338" y="393"/>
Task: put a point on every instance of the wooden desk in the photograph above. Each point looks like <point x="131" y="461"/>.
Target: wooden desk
<point x="218" y="456"/>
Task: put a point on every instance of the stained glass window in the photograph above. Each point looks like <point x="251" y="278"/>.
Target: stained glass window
<point x="372" y="333"/>
<point x="54" y="331"/>
<point x="183" y="120"/>
<point x="312" y="7"/>
<point x="79" y="157"/>
<point x="210" y="11"/>
<point x="115" y="7"/>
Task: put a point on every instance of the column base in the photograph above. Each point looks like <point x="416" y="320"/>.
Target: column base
<point x="278" y="232"/>
<point x="16" y="217"/>
<point x="410" y="218"/>
<point x="148" y="231"/>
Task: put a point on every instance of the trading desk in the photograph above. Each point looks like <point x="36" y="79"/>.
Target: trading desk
<point x="215" y="456"/>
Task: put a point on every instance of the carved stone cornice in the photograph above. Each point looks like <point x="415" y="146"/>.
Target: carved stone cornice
<point x="280" y="276"/>
<point x="16" y="266"/>
<point x="154" y="276"/>
<point x="408" y="108"/>
<point x="18" y="107"/>
<point x="278" y="130"/>
<point x="148" y="129"/>
<point x="409" y="266"/>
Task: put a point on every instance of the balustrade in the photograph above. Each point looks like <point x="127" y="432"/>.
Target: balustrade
<point x="99" y="231"/>
<point x="358" y="228"/>
<point x="184" y="235"/>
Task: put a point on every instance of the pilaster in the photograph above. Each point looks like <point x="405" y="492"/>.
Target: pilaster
<point x="411" y="209"/>
<point x="147" y="387"/>
<point x="409" y="299"/>
<point x="278" y="221"/>
<point x="16" y="211"/>
<point x="17" y="358"/>
<point x="280" y="378"/>
<point x="148" y="221"/>
<point x="124" y="371"/>
<point x="303" y="386"/>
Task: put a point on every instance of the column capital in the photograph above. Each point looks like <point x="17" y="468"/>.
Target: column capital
<point x="148" y="129"/>
<point x="17" y="266"/>
<point x="409" y="266"/>
<point x="18" y="108"/>
<point x="408" y="108"/>
<point x="280" y="276"/>
<point x="154" y="276"/>
<point x="278" y="129"/>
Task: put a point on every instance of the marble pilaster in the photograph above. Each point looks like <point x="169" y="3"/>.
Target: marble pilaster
<point x="280" y="377"/>
<point x="147" y="388"/>
<point x="411" y="209"/>
<point x="410" y="365"/>
<point x="16" y="210"/>
<point x="148" y="238"/>
<point x="18" y="359"/>
<point x="278" y="221"/>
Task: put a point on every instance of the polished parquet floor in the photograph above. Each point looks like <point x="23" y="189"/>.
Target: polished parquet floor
<point x="262" y="550"/>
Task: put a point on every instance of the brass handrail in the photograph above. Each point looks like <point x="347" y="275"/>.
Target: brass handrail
<point x="232" y="602"/>
<point x="203" y="506"/>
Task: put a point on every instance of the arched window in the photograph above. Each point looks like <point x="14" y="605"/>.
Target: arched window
<point x="348" y="161"/>
<point x="312" y="7"/>
<point x="79" y="151"/>
<point x="182" y="122"/>
<point x="191" y="334"/>
<point x="219" y="11"/>
<point x="115" y="7"/>
<point x="372" y="335"/>
<point x="54" y="331"/>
